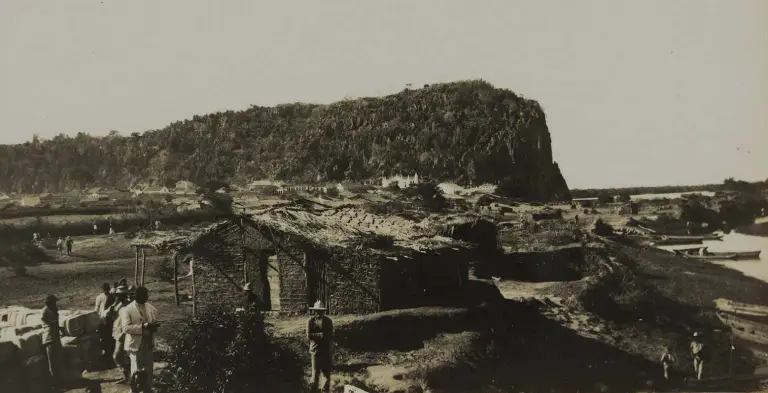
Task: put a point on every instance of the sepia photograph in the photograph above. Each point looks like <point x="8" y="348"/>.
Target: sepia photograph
<point x="425" y="196"/>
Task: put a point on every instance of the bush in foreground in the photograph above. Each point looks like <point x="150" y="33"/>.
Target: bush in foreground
<point x="224" y="351"/>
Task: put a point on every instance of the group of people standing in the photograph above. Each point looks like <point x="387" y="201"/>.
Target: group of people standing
<point x="64" y="245"/>
<point x="697" y="353"/>
<point x="127" y="333"/>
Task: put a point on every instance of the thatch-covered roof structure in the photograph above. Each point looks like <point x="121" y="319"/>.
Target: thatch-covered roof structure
<point x="325" y="227"/>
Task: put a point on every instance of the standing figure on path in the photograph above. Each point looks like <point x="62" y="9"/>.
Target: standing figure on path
<point x="69" y="244"/>
<point x="139" y="322"/>
<point x="95" y="228"/>
<point x="60" y="245"/>
<point x="52" y="338"/>
<point x="667" y="360"/>
<point x="320" y="334"/>
<point x="119" y="355"/>
<point x="103" y="301"/>
<point x="697" y="350"/>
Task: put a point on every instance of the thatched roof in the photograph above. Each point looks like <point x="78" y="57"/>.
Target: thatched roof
<point x="345" y="226"/>
<point x="323" y="227"/>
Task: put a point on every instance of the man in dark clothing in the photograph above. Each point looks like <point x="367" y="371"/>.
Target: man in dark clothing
<point x="103" y="301"/>
<point x="319" y="334"/>
<point x="52" y="338"/>
<point x="250" y="300"/>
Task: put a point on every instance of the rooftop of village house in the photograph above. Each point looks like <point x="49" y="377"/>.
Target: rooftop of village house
<point x="325" y="226"/>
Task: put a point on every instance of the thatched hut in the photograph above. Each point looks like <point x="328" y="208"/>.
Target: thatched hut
<point x="356" y="262"/>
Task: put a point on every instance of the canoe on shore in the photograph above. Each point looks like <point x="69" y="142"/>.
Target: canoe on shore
<point x="695" y="253"/>
<point x="672" y="242"/>
<point x="695" y="237"/>
<point x="741" y="308"/>
<point x="745" y="329"/>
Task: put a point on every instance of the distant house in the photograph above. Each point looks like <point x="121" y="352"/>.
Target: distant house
<point x="4" y="197"/>
<point x="156" y="190"/>
<point x="585" y="202"/>
<point x="184" y="187"/>
<point x="31" y="200"/>
<point x="486" y="188"/>
<point x="222" y="190"/>
<point x="401" y="181"/>
<point x="186" y="206"/>
<point x="450" y="188"/>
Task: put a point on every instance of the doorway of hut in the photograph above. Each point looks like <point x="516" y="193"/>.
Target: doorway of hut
<point x="264" y="276"/>
<point x="317" y="274"/>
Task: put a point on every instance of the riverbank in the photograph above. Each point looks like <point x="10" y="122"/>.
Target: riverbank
<point x="757" y="229"/>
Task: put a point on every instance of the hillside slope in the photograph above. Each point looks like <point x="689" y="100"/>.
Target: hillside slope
<point x="464" y="131"/>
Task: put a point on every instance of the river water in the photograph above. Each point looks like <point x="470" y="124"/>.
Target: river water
<point x="733" y="241"/>
<point x="670" y="195"/>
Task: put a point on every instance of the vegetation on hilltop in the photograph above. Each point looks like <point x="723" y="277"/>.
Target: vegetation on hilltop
<point x="463" y="131"/>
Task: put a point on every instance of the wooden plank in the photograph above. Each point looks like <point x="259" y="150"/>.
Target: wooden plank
<point x="194" y="293"/>
<point x="143" y="265"/>
<point x="176" y="277"/>
<point x="136" y="269"/>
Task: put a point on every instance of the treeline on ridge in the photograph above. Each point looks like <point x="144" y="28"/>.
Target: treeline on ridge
<point x="465" y="131"/>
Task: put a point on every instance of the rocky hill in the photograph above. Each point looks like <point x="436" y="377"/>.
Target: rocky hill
<point x="463" y="131"/>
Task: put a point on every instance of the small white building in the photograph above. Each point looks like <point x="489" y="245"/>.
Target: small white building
<point x="30" y="200"/>
<point x="184" y="187"/>
<point x="486" y="188"/>
<point x="4" y="197"/>
<point x="156" y="190"/>
<point x="450" y="188"/>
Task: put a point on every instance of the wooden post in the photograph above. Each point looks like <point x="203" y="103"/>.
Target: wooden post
<point x="136" y="269"/>
<point x="143" y="265"/>
<point x="242" y="248"/>
<point x="176" y="277"/>
<point x="194" y="291"/>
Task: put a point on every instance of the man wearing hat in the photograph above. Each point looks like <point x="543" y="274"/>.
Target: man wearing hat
<point x="250" y="300"/>
<point x="119" y="355"/>
<point x="319" y="334"/>
<point x="52" y="338"/>
<point x="697" y="350"/>
<point x="139" y="324"/>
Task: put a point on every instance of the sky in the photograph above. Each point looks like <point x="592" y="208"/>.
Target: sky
<point x="636" y="93"/>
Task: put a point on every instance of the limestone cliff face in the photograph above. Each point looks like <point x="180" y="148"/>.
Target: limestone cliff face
<point x="465" y="131"/>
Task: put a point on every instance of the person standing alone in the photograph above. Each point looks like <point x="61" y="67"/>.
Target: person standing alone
<point x="52" y="338"/>
<point x="320" y="334"/>
<point x="697" y="350"/>
<point x="139" y="324"/>
<point x="103" y="301"/>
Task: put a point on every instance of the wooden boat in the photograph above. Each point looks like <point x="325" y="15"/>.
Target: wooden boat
<point x="746" y="329"/>
<point x="721" y="257"/>
<point x="672" y="242"/>
<point x="741" y="308"/>
<point x="696" y="254"/>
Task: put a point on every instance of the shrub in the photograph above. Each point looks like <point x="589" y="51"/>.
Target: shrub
<point x="332" y="192"/>
<point x="164" y="270"/>
<point x="224" y="351"/>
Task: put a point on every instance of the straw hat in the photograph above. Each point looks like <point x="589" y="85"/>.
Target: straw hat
<point x="51" y="298"/>
<point x="319" y="305"/>
<point x="121" y="289"/>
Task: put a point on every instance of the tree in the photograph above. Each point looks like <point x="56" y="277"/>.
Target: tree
<point x="624" y="197"/>
<point x="604" y="197"/>
<point x="429" y="195"/>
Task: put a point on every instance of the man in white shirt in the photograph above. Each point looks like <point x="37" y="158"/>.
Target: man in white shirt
<point x="139" y="320"/>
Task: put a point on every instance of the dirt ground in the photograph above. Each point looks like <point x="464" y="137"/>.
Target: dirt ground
<point x="547" y="345"/>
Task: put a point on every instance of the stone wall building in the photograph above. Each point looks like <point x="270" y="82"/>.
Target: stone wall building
<point x="354" y="261"/>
